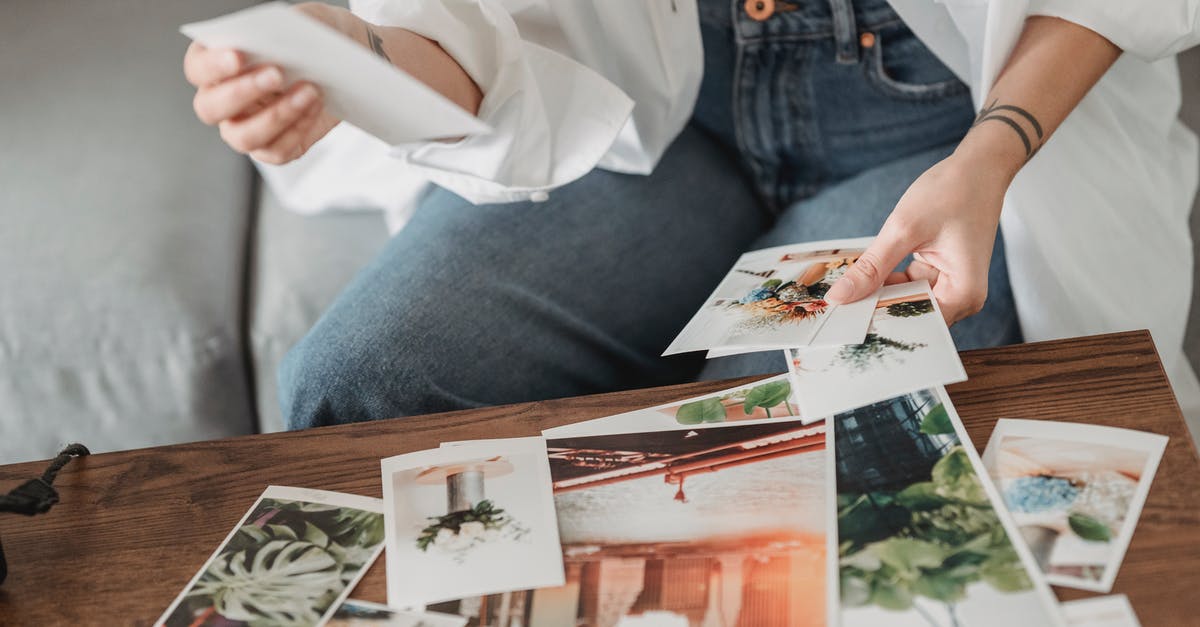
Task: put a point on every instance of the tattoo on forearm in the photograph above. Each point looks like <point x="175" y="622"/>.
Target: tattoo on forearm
<point x="376" y="44"/>
<point x="1004" y="114"/>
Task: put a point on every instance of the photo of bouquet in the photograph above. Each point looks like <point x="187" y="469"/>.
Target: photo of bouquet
<point x="774" y="298"/>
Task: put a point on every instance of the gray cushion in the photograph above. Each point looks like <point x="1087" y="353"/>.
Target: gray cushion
<point x="123" y="225"/>
<point x="300" y="264"/>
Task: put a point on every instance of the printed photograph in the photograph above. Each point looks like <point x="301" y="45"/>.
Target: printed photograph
<point x="1113" y="610"/>
<point x="907" y="347"/>
<point x="768" y="400"/>
<point x="355" y="613"/>
<point x="775" y="298"/>
<point x="290" y="561"/>
<point x="921" y="541"/>
<point x="721" y="526"/>
<point x="1076" y="492"/>
<point x="474" y="518"/>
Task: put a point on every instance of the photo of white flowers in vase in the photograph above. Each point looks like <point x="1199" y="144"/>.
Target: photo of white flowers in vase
<point x="458" y="532"/>
<point x="290" y="561"/>
<point x="459" y="518"/>
<point x="1076" y="491"/>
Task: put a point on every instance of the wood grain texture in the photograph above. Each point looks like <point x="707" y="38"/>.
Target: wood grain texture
<point x="133" y="527"/>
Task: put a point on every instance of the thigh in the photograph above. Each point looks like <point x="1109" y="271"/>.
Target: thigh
<point x="478" y="305"/>
<point x="858" y="207"/>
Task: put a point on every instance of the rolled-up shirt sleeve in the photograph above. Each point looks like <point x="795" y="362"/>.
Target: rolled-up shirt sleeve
<point x="552" y="117"/>
<point x="1148" y="29"/>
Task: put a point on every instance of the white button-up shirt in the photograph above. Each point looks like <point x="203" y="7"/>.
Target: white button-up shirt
<point x="1095" y="226"/>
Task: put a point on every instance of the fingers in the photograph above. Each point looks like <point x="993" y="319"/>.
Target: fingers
<point x="205" y="66"/>
<point x="255" y="132"/>
<point x="293" y="142"/>
<point x="960" y="297"/>
<point x="918" y="270"/>
<point x="222" y="101"/>
<point x="874" y="266"/>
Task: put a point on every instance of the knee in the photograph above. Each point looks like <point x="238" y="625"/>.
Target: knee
<point x="354" y="371"/>
<point x="311" y="381"/>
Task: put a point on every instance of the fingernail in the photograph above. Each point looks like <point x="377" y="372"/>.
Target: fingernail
<point x="842" y="289"/>
<point x="231" y="62"/>
<point x="304" y="97"/>
<point x="270" y="78"/>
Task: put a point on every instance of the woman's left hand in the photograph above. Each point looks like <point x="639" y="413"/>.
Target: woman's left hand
<point x="947" y="220"/>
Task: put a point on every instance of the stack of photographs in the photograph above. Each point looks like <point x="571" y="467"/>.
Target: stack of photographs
<point x="845" y="492"/>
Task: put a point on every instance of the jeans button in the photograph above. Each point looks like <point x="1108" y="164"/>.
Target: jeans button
<point x="760" y="9"/>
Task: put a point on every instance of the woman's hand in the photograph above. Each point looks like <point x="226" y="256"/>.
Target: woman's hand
<point x="259" y="115"/>
<point x="947" y="220"/>
<point x="255" y="111"/>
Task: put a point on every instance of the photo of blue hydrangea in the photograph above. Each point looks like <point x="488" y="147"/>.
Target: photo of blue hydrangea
<point x="1075" y="501"/>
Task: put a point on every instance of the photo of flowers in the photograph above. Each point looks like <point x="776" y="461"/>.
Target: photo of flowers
<point x="921" y="540"/>
<point x="717" y="526"/>
<point x="1076" y="492"/>
<point x="290" y="561"/>
<point x="355" y="613"/>
<point x="473" y="518"/>
<point x="768" y="400"/>
<point x="908" y="347"/>
<point x="775" y="298"/>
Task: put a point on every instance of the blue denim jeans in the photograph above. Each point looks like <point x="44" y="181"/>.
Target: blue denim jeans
<point x="802" y="131"/>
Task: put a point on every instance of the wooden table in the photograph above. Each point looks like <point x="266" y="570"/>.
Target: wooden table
<point x="133" y="527"/>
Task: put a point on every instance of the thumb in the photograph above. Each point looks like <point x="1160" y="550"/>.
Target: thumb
<point x="871" y="269"/>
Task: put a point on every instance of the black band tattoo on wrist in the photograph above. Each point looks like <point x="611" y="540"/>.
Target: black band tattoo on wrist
<point x="376" y="44"/>
<point x="1004" y="113"/>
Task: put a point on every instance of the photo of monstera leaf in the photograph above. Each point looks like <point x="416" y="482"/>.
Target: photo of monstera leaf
<point x="283" y="583"/>
<point x="287" y="564"/>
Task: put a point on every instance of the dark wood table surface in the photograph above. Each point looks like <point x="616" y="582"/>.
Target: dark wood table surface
<point x="133" y="527"/>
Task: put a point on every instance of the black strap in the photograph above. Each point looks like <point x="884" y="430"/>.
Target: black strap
<point x="37" y="496"/>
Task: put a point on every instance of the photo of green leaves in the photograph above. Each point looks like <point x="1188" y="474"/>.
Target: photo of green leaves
<point x="768" y="399"/>
<point x="287" y="564"/>
<point x="919" y="540"/>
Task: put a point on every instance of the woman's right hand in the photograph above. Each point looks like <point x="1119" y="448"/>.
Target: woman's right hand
<point x="256" y="112"/>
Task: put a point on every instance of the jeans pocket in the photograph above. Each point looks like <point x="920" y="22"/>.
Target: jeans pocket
<point x="900" y="66"/>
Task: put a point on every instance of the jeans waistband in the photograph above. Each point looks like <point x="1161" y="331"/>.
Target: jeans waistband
<point x="798" y="20"/>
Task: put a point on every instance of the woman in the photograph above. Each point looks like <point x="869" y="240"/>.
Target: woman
<point x="810" y="120"/>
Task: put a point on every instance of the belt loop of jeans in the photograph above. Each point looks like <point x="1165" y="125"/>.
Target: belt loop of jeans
<point x="844" y="31"/>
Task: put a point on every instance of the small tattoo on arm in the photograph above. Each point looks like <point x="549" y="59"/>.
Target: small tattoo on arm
<point x="1005" y="114"/>
<point x="376" y="44"/>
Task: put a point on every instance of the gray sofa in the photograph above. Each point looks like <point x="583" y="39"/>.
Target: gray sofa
<point x="148" y="285"/>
